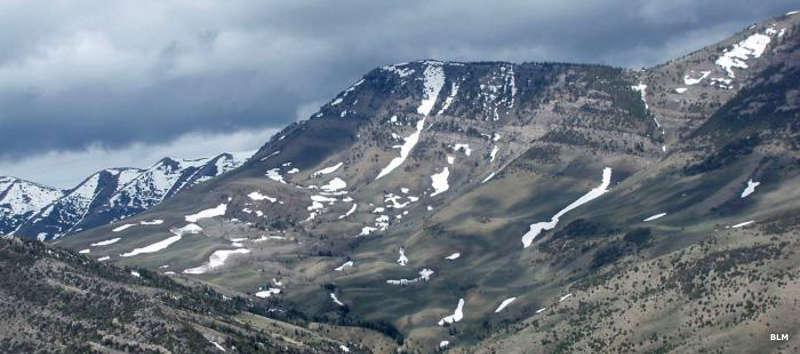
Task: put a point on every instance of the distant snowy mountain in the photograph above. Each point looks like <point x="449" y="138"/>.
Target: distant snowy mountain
<point x="31" y="210"/>
<point x="20" y="199"/>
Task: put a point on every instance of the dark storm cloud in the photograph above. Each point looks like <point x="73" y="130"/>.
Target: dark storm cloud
<point x="74" y="75"/>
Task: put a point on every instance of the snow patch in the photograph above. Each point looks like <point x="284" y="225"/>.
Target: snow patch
<point x="689" y="80"/>
<point x="267" y="293"/>
<point x="457" y="315"/>
<point x="349" y="212"/>
<point x="657" y="216"/>
<point x="106" y="242"/>
<point x="642" y="89"/>
<point x="453" y="256"/>
<point x="537" y="228"/>
<point x="742" y="224"/>
<point x="275" y="175"/>
<point x="751" y="187"/>
<point x="403" y="260"/>
<point x="122" y="227"/>
<point x="439" y="182"/>
<point x="160" y="245"/>
<point x="505" y="303"/>
<point x="462" y="147"/>
<point x="334" y="185"/>
<point x="681" y="89"/>
<point x="336" y="300"/>
<point x="219" y="210"/>
<point x="257" y="196"/>
<point x="348" y="264"/>
<point x="327" y="170"/>
<point x="216" y="260"/>
<point x="753" y="46"/>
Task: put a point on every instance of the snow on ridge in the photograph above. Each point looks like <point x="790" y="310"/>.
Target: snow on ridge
<point x="433" y="82"/>
<point x="457" y="315"/>
<point x="493" y="154"/>
<point x="216" y="260"/>
<point x="106" y="242"/>
<point x="751" y="187"/>
<point x="439" y="182"/>
<point x="596" y="192"/>
<point x="327" y="170"/>
<point x="565" y="297"/>
<point x="753" y="46"/>
<point x="22" y="197"/>
<point x="504" y="304"/>
<point x="654" y="217"/>
<point x="219" y="210"/>
<point x="398" y="70"/>
<point x="792" y="12"/>
<point x="152" y="222"/>
<point x="490" y="176"/>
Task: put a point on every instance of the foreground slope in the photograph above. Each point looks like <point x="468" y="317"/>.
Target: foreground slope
<point x="491" y="206"/>
<point x="59" y="301"/>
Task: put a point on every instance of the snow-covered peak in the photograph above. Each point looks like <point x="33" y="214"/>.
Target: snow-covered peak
<point x="19" y="197"/>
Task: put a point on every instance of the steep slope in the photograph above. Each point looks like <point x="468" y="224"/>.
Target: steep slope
<point x="480" y="206"/>
<point x="111" y="195"/>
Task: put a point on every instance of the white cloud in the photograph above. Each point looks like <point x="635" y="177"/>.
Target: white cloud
<point x="67" y="169"/>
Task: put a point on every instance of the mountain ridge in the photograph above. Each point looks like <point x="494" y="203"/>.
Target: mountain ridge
<point x="107" y="195"/>
<point x="528" y="197"/>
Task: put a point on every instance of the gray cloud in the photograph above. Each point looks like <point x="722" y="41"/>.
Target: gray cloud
<point x="78" y="76"/>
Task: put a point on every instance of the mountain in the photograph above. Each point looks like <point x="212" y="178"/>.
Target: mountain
<point x="503" y="207"/>
<point x="106" y="196"/>
<point x="19" y="199"/>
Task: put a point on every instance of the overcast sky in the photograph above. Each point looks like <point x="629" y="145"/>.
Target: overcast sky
<point x="91" y="84"/>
